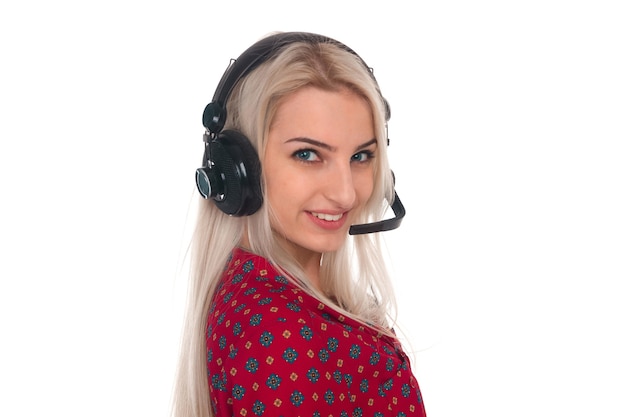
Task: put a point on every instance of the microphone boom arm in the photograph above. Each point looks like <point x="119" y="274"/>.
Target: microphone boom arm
<point x="383" y="225"/>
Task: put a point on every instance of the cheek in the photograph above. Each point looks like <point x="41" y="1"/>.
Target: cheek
<point x="276" y="178"/>
<point x="271" y="176"/>
<point x="272" y="190"/>
<point x="281" y="188"/>
<point x="364" y="185"/>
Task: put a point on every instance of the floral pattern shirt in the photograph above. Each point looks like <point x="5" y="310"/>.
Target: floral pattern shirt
<point x="273" y="350"/>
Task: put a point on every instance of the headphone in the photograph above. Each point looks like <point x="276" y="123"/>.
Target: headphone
<point x="231" y="170"/>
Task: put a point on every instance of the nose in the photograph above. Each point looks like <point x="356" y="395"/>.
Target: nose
<point x="340" y="187"/>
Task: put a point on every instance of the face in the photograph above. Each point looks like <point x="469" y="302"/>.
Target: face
<point x="319" y="168"/>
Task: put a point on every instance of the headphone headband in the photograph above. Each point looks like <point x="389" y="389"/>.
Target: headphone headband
<point x="214" y="116"/>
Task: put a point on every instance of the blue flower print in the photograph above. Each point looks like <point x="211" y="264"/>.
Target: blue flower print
<point x="237" y="329"/>
<point x="333" y="344"/>
<point x="266" y="339"/>
<point x="233" y="353"/>
<point x="218" y="383"/>
<point x="406" y="390"/>
<point x="323" y="355"/>
<point x="388" y="385"/>
<point x="389" y="365"/>
<point x="293" y="307"/>
<point x="290" y="355"/>
<point x="273" y="381"/>
<point x="313" y="375"/>
<point x="222" y="342"/>
<point x="375" y="358"/>
<point x="281" y="280"/>
<point x="365" y="385"/>
<point x="258" y="408"/>
<point x="306" y="333"/>
<point x="265" y="301"/>
<point x="348" y="379"/>
<point x="248" y="266"/>
<point x="297" y="398"/>
<point x="255" y="320"/>
<point x="227" y="297"/>
<point x="355" y="351"/>
<point x="238" y="392"/>
<point x="278" y="290"/>
<point x="252" y="365"/>
<point x="337" y="376"/>
<point x="385" y="387"/>
<point x="329" y="397"/>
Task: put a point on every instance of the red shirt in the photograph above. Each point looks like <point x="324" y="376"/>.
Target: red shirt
<point x="273" y="350"/>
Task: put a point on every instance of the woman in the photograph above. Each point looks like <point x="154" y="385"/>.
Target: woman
<point x="287" y="314"/>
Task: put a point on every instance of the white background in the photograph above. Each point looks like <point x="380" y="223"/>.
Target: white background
<point x="508" y="142"/>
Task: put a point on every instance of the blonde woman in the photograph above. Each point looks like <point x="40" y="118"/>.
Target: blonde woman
<point x="289" y="299"/>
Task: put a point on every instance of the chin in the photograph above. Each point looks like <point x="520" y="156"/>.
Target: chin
<point x="315" y="244"/>
<point x="329" y="245"/>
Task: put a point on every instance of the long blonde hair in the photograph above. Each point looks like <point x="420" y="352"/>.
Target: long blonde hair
<point x="354" y="277"/>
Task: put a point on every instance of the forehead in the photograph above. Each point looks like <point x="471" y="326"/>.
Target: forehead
<point x="313" y="110"/>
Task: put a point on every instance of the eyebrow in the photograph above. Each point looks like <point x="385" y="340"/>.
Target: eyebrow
<point x="327" y="146"/>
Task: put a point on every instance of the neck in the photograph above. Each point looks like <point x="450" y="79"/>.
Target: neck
<point x="311" y="267"/>
<point x="308" y="260"/>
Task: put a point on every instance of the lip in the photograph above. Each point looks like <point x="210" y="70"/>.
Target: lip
<point x="326" y="224"/>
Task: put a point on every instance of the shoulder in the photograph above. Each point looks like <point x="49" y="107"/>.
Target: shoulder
<point x="253" y="293"/>
<point x="249" y="269"/>
<point x="252" y="278"/>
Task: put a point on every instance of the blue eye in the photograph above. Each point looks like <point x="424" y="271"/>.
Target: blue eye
<point x="305" y="155"/>
<point x="363" y="156"/>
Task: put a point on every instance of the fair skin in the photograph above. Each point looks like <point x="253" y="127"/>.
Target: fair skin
<point x="319" y="171"/>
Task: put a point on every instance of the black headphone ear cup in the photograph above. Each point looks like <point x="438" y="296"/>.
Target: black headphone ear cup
<point x="237" y="162"/>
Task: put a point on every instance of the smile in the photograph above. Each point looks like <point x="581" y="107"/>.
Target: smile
<point x="328" y="217"/>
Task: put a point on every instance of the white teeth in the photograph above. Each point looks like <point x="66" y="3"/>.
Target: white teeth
<point x="328" y="217"/>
